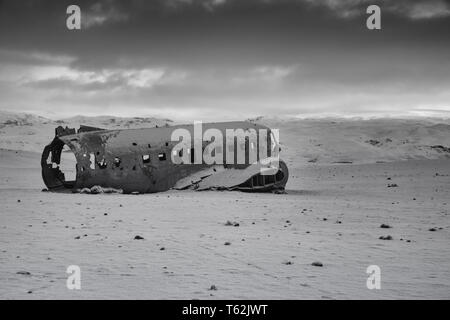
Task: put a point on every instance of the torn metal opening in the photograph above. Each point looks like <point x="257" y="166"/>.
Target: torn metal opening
<point x="264" y="183"/>
<point x="58" y="164"/>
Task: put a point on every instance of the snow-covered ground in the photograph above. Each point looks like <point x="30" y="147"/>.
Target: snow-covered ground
<point x="331" y="213"/>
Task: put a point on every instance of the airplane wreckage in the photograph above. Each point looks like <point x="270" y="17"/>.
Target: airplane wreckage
<point x="148" y="160"/>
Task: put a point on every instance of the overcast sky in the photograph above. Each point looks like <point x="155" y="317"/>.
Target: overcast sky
<point x="225" y="59"/>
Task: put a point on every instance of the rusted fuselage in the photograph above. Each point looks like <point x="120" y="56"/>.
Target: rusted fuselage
<point x="141" y="160"/>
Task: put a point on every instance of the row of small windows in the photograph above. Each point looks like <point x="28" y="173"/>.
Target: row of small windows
<point x="146" y="158"/>
<point x="231" y="147"/>
<point x="149" y="145"/>
<point x="161" y="156"/>
<point x="102" y="164"/>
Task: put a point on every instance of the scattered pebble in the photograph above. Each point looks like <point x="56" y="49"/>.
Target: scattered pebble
<point x="138" y="237"/>
<point x="385" y="237"/>
<point x="212" y="288"/>
<point x="432" y="229"/>
<point x="317" y="264"/>
<point x="392" y="185"/>
<point x="25" y="273"/>
<point x="385" y="226"/>
<point x="227" y="243"/>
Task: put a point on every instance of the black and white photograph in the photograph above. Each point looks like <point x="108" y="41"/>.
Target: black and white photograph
<point x="225" y="150"/>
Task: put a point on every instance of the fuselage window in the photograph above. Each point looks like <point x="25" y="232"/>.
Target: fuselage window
<point x="178" y="153"/>
<point x="92" y="161"/>
<point x="101" y="164"/>
<point x="117" y="161"/>
<point x="162" y="156"/>
<point x="146" y="158"/>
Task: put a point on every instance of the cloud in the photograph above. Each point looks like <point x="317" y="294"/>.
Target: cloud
<point x="102" y="13"/>
<point x="211" y="5"/>
<point x="233" y="58"/>
<point x="412" y="9"/>
<point x="64" y="77"/>
<point x="18" y="57"/>
<point x="428" y="10"/>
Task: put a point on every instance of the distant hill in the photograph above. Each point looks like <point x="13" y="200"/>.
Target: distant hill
<point x="360" y="141"/>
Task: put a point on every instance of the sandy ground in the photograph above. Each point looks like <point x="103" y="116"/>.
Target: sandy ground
<point x="331" y="214"/>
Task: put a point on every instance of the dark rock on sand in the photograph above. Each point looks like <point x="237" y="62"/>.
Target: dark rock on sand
<point x="234" y="223"/>
<point x="392" y="185"/>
